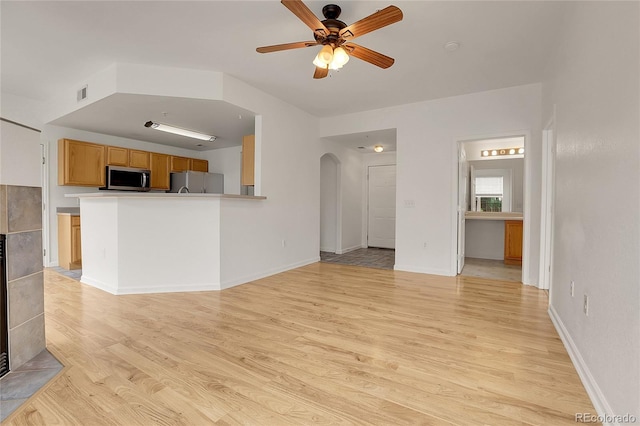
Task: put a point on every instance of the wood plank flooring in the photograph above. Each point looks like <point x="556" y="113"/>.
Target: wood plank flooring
<point x="322" y="344"/>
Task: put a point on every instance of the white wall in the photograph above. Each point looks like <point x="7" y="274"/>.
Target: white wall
<point x="484" y="239"/>
<point x="427" y="136"/>
<point x="288" y="172"/>
<point x="20" y="155"/>
<point x="593" y="83"/>
<point x="226" y="161"/>
<point x="328" y="203"/>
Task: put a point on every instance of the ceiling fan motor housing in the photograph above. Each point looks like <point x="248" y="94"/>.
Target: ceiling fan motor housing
<point x="331" y="12"/>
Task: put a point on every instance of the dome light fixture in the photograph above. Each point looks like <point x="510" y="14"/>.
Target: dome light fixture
<point x="378" y="148"/>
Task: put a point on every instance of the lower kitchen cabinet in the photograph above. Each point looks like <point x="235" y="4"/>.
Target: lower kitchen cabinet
<point x="69" y="246"/>
<point x="513" y="242"/>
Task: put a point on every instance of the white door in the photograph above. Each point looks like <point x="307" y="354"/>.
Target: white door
<point x="463" y="182"/>
<point x="382" y="207"/>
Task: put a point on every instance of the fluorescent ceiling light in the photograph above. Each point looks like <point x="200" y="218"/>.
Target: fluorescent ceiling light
<point x="180" y="131"/>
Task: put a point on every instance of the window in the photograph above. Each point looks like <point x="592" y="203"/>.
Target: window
<point x="489" y="193"/>
<point x="490" y="190"/>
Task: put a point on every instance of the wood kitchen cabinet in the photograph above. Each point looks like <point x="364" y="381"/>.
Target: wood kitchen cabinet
<point x="117" y="156"/>
<point x="248" y="160"/>
<point x="159" y="165"/>
<point x="513" y="242"/>
<point x="179" y="164"/>
<point x="81" y="163"/>
<point x="139" y="159"/>
<point x="198" y="165"/>
<point x="69" y="245"/>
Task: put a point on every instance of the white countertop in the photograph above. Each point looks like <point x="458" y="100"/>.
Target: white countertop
<point x="493" y="215"/>
<point x="133" y="194"/>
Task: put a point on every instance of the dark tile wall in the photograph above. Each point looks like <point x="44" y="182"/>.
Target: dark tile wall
<point x="21" y="220"/>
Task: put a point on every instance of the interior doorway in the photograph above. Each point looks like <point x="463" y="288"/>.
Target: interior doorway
<point x="491" y="188"/>
<point x="381" y="211"/>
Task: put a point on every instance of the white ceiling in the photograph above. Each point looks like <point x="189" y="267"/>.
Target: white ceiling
<point x="49" y="45"/>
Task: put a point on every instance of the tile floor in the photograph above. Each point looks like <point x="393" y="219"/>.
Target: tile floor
<point x="368" y="257"/>
<point x="76" y="274"/>
<point x="385" y="259"/>
<point x="19" y="384"/>
<point x="493" y="269"/>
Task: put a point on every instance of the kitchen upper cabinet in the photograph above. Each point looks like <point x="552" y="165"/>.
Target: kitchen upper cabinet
<point x="179" y="164"/>
<point x="513" y="242"/>
<point x="198" y="165"/>
<point x="69" y="246"/>
<point x="139" y="159"/>
<point x="160" y="164"/>
<point x="248" y="160"/>
<point x="81" y="163"/>
<point x="117" y="156"/>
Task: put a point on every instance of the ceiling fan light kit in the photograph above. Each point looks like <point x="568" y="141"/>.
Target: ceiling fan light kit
<point x="335" y="36"/>
<point x="179" y="131"/>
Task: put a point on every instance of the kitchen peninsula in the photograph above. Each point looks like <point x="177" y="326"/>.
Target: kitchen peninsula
<point x="155" y="242"/>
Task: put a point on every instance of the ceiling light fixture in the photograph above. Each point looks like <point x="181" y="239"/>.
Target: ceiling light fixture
<point x="502" y="151"/>
<point x="378" y="148"/>
<point x="180" y="131"/>
<point x="330" y="57"/>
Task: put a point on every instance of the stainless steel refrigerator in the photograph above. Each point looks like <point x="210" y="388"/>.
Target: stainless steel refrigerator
<point x="197" y="182"/>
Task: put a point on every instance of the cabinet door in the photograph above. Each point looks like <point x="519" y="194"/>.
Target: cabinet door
<point x="81" y="163"/>
<point x="513" y="242"/>
<point x="248" y="160"/>
<point x="160" y="171"/>
<point x="179" y="164"/>
<point x="198" y="165"/>
<point x="76" y="247"/>
<point x="117" y="156"/>
<point x="139" y="159"/>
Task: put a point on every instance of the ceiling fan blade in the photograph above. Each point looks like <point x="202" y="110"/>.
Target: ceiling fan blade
<point x="368" y="55"/>
<point x="286" y="46"/>
<point x="387" y="16"/>
<point x="306" y="15"/>
<point x="321" y="72"/>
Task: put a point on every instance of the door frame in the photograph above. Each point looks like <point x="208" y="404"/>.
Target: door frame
<point x="338" y="212"/>
<point x="547" y="205"/>
<point x="527" y="198"/>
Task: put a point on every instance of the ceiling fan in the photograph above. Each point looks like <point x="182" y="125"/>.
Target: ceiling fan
<point x="335" y="36"/>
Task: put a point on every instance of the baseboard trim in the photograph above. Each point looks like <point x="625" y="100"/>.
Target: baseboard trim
<point x="149" y="290"/>
<point x="598" y="399"/>
<point x="348" y="249"/>
<point x="98" y="284"/>
<point x="248" y="278"/>
<point x="420" y="270"/>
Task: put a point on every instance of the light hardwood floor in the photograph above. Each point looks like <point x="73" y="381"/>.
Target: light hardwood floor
<point x="320" y="344"/>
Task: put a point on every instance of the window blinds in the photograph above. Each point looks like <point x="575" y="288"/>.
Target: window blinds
<point x="490" y="185"/>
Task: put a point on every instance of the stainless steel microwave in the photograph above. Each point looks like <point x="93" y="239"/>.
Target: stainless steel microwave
<point x="128" y="179"/>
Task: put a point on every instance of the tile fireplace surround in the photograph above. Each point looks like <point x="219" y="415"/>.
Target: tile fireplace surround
<point x="21" y="220"/>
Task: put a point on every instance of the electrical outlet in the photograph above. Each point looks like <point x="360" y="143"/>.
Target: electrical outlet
<point x="572" y="287"/>
<point x="425" y="244"/>
<point x="586" y="305"/>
